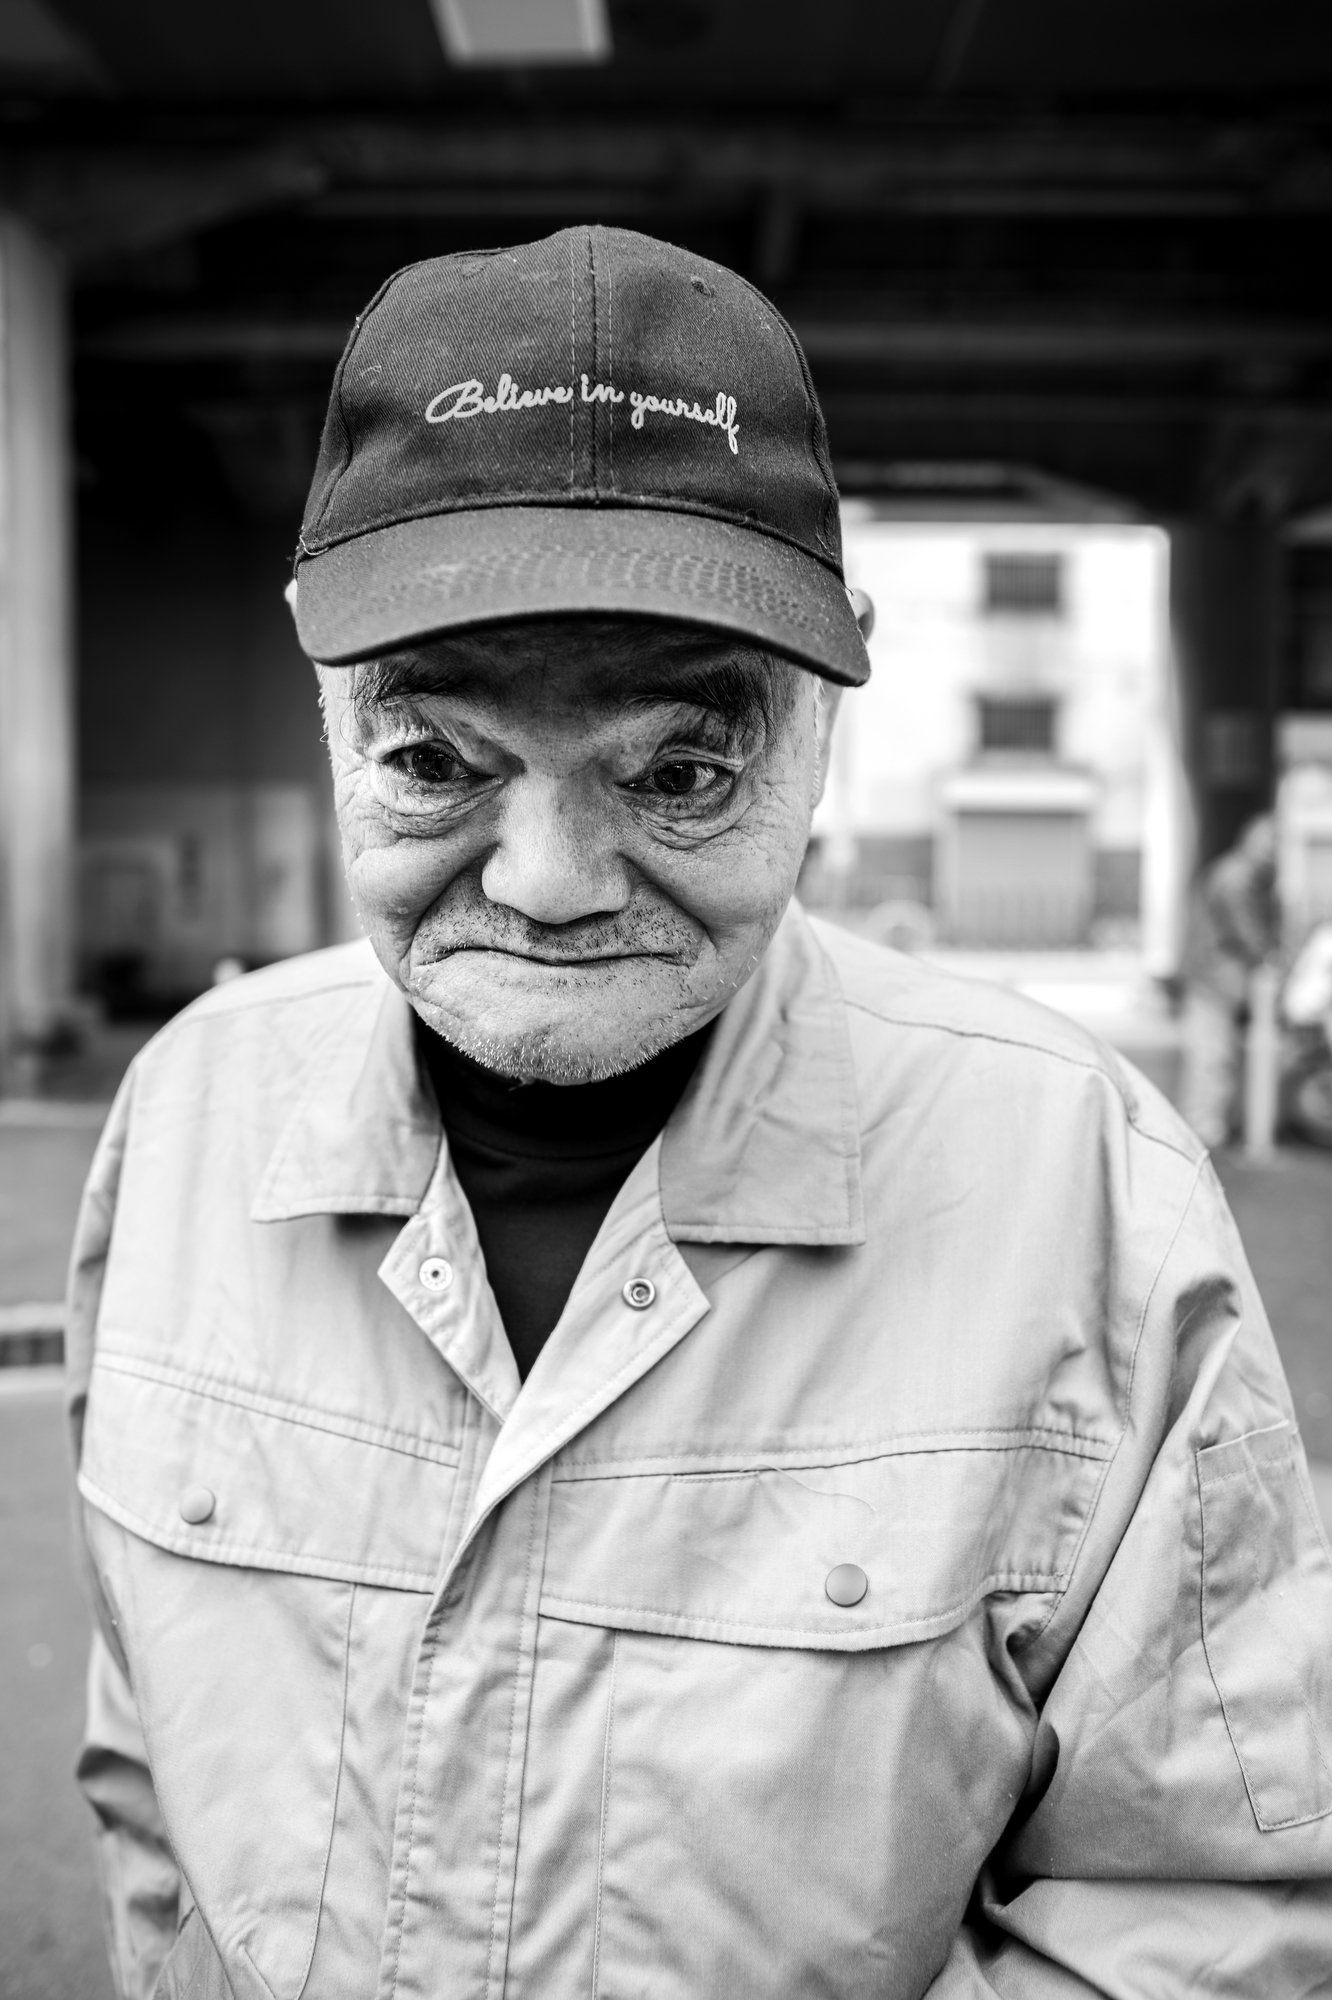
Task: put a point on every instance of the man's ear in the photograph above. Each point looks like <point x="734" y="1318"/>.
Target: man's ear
<point x="863" y="606"/>
<point x="826" y="703"/>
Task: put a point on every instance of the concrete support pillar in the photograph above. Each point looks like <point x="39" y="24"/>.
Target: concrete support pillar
<point x="1225" y="616"/>
<point x="37" y="732"/>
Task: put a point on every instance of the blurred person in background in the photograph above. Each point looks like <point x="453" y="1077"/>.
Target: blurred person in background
<point x="629" y="1441"/>
<point x="1234" y="926"/>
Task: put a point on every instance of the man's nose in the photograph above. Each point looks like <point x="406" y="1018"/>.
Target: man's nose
<point x="556" y="859"/>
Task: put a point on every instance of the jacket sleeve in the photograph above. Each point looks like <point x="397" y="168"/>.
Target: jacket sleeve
<point x="140" y="1881"/>
<point x="141" y="1885"/>
<point x="1176" y="1837"/>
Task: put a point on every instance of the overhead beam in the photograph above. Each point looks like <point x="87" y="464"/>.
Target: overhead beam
<point x="94" y="202"/>
<point x="139" y="185"/>
<point x="964" y="406"/>
<point x="556" y="200"/>
<point x="1133" y="338"/>
<point x="191" y="337"/>
<point x="828" y="337"/>
<point x="1098" y="164"/>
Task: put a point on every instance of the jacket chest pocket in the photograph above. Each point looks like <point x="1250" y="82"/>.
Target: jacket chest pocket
<point x="269" y="1567"/>
<point x="808" y="1750"/>
<point x="227" y="1474"/>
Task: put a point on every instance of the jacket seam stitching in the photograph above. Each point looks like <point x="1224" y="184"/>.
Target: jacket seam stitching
<point x="192" y="1016"/>
<point x="416" y="1789"/>
<point x="1035" y="1048"/>
<point x="505" y="1810"/>
<point x="1260" y="1598"/>
<point x="849" y="1122"/>
<point x="894" y="1020"/>
<point x="1037" y="1580"/>
<point x="416" y="1721"/>
<point x="335" y="1201"/>
<point x="605" y="1808"/>
<point x="216" y="1389"/>
<point x="243" y="1952"/>
<point x="294" y="1560"/>
<point x="337" y="1790"/>
<point x="909" y="1445"/>
<point x="1113" y="1459"/>
<point x="1166" y="1254"/>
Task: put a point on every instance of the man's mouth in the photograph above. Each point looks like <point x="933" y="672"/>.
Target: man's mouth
<point x="561" y="961"/>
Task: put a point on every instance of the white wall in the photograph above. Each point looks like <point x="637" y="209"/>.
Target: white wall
<point x="934" y="650"/>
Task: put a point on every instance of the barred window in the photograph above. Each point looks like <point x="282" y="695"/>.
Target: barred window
<point x="1017" y="725"/>
<point x="1032" y="585"/>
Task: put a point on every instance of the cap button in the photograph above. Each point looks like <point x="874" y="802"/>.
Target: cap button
<point x="197" y="1504"/>
<point x="436" y="1274"/>
<point x="846" y="1584"/>
<point x="639" y="1293"/>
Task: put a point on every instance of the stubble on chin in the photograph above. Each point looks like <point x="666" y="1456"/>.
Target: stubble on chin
<point x="559" y="1026"/>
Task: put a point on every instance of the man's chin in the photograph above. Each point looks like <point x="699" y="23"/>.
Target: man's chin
<point x="565" y="1024"/>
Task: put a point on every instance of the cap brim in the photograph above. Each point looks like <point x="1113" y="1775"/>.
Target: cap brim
<point x="489" y="565"/>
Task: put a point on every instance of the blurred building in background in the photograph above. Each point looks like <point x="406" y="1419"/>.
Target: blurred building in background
<point x="1061" y="274"/>
<point x="1008" y="779"/>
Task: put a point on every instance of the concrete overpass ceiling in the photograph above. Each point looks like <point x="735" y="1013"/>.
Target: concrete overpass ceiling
<point x="1085" y="241"/>
<point x="1048" y="259"/>
<point x="712" y="51"/>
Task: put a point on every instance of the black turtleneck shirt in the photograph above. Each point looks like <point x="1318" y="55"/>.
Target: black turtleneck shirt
<point x="541" y="1163"/>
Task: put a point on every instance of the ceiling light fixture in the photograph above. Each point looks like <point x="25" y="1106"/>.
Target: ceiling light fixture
<point x="523" y="33"/>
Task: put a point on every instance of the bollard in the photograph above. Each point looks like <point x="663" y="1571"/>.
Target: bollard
<point x="1262" y="1060"/>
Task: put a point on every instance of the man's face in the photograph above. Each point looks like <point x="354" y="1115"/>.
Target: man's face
<point x="570" y="842"/>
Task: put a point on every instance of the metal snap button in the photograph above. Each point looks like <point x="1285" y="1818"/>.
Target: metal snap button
<point x="846" y="1584"/>
<point x="639" y="1293"/>
<point x="197" y="1505"/>
<point x="436" y="1274"/>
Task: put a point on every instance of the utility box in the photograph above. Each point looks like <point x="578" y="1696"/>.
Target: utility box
<point x="1017" y="866"/>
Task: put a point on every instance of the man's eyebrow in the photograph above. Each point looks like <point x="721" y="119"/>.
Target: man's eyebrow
<point x="401" y="677"/>
<point x="742" y="694"/>
<point x="400" y="682"/>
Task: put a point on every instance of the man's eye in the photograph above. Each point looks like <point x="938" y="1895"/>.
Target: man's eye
<point x="682" y="779"/>
<point x="430" y="764"/>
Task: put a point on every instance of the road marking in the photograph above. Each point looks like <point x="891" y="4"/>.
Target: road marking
<point x="48" y="1377"/>
<point x="32" y="1316"/>
<point x="47" y="1114"/>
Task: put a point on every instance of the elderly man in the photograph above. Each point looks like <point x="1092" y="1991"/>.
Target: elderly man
<point x="631" y="1443"/>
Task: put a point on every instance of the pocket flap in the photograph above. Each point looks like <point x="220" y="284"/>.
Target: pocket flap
<point x="749" y="1555"/>
<point x="291" y="1488"/>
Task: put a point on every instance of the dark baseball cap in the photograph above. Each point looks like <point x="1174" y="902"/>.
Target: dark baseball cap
<point x="596" y="423"/>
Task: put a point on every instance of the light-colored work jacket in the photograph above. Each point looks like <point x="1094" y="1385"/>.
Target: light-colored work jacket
<point x="899" y="1566"/>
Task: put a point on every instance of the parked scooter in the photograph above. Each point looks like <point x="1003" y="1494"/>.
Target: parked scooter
<point x="1306" y="1055"/>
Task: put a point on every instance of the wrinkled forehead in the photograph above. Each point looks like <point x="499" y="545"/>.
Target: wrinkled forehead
<point x="600" y="665"/>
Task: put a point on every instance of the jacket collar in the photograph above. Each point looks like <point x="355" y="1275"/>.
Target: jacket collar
<point x="764" y="1147"/>
<point x="365" y="1135"/>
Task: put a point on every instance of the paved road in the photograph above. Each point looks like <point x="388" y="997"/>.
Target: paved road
<point x="50" y="1924"/>
<point x="44" y="1158"/>
<point x="50" y="1941"/>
